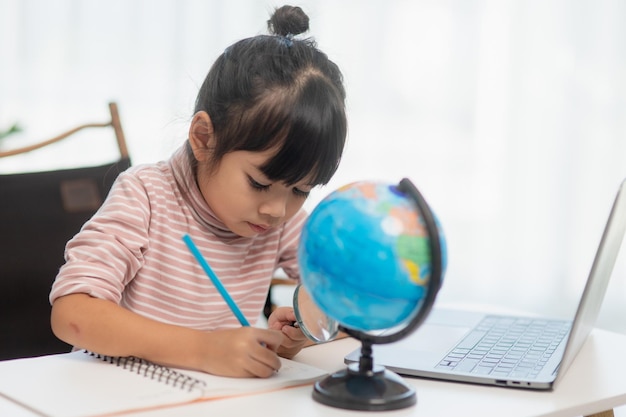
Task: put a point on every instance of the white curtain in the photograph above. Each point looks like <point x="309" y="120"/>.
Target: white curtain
<point x="510" y="116"/>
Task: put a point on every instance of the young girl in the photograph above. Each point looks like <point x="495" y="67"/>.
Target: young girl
<point x="269" y="125"/>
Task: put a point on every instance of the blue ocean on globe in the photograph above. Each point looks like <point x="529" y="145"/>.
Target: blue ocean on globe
<point x="364" y="256"/>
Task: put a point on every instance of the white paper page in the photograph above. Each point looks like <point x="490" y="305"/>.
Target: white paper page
<point x="291" y="373"/>
<point x="76" y="385"/>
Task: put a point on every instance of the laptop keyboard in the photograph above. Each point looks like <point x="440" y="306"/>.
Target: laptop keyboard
<point x="507" y="347"/>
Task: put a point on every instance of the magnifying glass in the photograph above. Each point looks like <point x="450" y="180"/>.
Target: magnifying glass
<point x="315" y="325"/>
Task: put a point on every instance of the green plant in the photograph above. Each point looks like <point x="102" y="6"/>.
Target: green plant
<point x="13" y="129"/>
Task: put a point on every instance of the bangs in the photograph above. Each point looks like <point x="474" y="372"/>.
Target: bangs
<point x="312" y="139"/>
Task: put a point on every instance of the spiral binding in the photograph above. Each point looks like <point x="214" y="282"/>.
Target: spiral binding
<point x="152" y="370"/>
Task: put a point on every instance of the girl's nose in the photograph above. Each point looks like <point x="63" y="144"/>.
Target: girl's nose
<point x="275" y="207"/>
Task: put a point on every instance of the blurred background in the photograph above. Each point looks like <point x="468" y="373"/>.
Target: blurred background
<point x="510" y="116"/>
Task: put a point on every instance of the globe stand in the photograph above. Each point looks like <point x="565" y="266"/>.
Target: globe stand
<point x="364" y="386"/>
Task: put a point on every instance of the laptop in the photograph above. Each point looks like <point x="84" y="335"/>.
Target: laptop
<point x="510" y="351"/>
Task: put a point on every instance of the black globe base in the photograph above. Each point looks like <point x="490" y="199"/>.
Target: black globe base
<point x="377" y="389"/>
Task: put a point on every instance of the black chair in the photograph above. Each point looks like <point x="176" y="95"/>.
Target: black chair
<point x="39" y="213"/>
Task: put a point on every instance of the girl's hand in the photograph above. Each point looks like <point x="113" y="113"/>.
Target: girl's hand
<point x="241" y="352"/>
<point x="294" y="340"/>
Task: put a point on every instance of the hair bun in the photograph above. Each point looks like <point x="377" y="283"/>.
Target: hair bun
<point x="288" y="20"/>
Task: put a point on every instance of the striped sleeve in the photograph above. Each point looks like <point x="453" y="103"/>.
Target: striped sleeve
<point x="108" y="251"/>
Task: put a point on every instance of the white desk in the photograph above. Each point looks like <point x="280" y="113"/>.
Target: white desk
<point x="595" y="382"/>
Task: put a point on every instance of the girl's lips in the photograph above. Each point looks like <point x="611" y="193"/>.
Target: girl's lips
<point x="258" y="228"/>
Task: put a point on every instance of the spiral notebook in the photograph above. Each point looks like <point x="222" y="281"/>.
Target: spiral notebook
<point x="84" y="384"/>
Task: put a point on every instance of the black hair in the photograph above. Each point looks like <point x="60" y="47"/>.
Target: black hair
<point x="278" y="92"/>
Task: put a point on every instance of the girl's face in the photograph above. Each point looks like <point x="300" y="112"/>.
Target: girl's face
<point x="244" y="199"/>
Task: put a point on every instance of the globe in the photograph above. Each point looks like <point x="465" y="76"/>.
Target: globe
<point x="365" y="257"/>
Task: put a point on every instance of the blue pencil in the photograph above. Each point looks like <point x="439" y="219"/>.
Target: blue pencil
<point x="218" y="284"/>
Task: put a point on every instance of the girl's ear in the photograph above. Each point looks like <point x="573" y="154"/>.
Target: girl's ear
<point x="201" y="136"/>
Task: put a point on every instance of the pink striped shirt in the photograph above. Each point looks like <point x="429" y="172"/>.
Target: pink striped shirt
<point x="131" y="252"/>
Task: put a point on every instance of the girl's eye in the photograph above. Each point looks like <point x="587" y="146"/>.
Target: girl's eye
<point x="257" y="185"/>
<point x="300" y="193"/>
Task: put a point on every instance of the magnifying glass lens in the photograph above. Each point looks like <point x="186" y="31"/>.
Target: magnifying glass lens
<point x="315" y="325"/>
